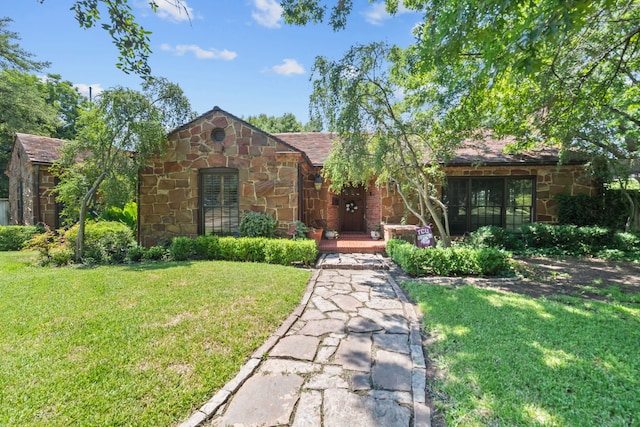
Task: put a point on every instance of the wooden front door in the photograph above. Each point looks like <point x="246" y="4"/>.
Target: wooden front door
<point x="352" y="207"/>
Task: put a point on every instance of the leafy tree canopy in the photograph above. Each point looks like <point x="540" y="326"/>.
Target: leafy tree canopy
<point x="129" y="37"/>
<point x="285" y="123"/>
<point x="12" y="56"/>
<point x="116" y="137"/>
<point x="383" y="136"/>
<point x="562" y="72"/>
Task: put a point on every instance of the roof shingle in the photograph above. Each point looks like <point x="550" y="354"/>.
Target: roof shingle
<point x="40" y="149"/>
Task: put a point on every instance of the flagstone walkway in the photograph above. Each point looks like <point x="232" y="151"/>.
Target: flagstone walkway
<point x="349" y="355"/>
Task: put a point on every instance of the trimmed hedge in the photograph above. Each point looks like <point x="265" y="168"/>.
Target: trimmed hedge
<point x="453" y="261"/>
<point x="245" y="249"/>
<point x="13" y="237"/>
<point x="559" y="240"/>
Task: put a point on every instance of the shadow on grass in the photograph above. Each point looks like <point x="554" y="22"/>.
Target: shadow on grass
<point x="514" y="360"/>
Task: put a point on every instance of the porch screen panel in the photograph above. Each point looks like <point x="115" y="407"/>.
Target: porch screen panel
<point x="487" y="197"/>
<point x="220" y="205"/>
<point x="519" y="202"/>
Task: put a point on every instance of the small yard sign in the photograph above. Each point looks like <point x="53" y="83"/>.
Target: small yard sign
<point x="425" y="237"/>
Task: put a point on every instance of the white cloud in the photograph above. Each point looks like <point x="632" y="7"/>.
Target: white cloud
<point x="268" y="13"/>
<point x="173" y="10"/>
<point x="377" y="13"/>
<point x="96" y="89"/>
<point x="198" y="52"/>
<point x="288" y="67"/>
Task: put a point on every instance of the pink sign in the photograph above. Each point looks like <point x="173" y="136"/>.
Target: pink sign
<point x="425" y="237"/>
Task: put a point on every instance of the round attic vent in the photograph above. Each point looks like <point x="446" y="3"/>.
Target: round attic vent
<point x="218" y="135"/>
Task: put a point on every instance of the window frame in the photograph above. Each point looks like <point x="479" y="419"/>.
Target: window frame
<point x="471" y="222"/>
<point x="204" y="207"/>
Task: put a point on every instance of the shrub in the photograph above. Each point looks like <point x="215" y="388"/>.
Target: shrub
<point x="135" y="253"/>
<point x="127" y="215"/>
<point x="181" y="248"/>
<point x="61" y="255"/>
<point x="242" y="249"/>
<point x="256" y="224"/>
<point x="104" y="242"/>
<point x="491" y="236"/>
<point x="207" y="247"/>
<point x="453" y="261"/>
<point x="301" y="230"/>
<point x="154" y="253"/>
<point x="14" y="237"/>
<point x="559" y="240"/>
<point x="287" y="252"/>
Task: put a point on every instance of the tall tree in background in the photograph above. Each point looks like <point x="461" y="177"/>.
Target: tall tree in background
<point x="115" y="139"/>
<point x="384" y="136"/>
<point x="12" y="56"/>
<point x="561" y="72"/>
<point x="43" y="106"/>
<point x="272" y="124"/>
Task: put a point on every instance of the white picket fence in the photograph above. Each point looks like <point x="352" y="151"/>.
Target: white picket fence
<point x="4" y="211"/>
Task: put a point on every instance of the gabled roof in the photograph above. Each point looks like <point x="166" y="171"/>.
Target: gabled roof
<point x="217" y="109"/>
<point x="317" y="145"/>
<point x="40" y="149"/>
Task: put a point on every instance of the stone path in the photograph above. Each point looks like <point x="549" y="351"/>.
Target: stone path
<point x="350" y="355"/>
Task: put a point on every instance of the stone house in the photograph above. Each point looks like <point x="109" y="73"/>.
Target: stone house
<point x="31" y="198"/>
<point x="218" y="167"/>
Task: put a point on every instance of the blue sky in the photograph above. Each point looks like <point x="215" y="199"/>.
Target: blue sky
<point x="236" y="54"/>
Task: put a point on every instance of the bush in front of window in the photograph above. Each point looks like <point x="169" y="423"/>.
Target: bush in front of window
<point x="257" y="224"/>
<point x="559" y="240"/>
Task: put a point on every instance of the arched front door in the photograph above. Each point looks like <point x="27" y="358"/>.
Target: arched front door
<point x="352" y="207"/>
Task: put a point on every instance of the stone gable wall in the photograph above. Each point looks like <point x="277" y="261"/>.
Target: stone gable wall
<point x="169" y="194"/>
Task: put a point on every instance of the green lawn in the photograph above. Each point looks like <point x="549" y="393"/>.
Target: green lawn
<point x="510" y="360"/>
<point x="130" y="345"/>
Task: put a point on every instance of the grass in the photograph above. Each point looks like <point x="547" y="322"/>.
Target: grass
<point x="511" y="360"/>
<point x="130" y="345"/>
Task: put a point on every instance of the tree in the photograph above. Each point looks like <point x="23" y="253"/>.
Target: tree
<point x="12" y="56"/>
<point x="68" y="102"/>
<point x="285" y="123"/>
<point x="548" y="72"/>
<point x="383" y="136"/>
<point x="129" y="37"/>
<point x="31" y="104"/>
<point x="115" y="139"/>
<point x="22" y="109"/>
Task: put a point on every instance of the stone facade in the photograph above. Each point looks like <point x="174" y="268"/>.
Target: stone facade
<point x="550" y="180"/>
<point x="268" y="172"/>
<point x="31" y="197"/>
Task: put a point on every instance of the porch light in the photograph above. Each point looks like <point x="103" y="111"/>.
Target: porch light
<point x="317" y="183"/>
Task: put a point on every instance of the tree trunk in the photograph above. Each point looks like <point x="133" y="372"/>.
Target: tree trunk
<point x="84" y="205"/>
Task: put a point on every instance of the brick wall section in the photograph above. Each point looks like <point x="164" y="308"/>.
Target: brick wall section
<point x="268" y="177"/>
<point x="550" y="181"/>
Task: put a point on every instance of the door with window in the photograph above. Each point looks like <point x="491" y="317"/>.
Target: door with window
<point x="219" y="203"/>
<point x="352" y="207"/>
<point x="502" y="201"/>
